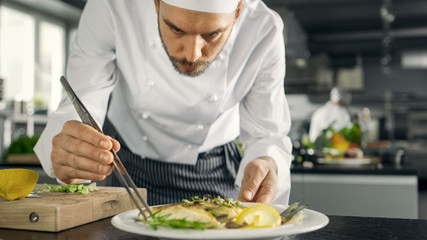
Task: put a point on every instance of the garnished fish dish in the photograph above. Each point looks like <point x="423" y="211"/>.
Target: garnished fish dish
<point x="218" y="213"/>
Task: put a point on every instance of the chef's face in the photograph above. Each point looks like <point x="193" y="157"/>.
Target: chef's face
<point x="193" y="39"/>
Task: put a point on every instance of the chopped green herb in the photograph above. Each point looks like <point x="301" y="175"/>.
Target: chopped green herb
<point x="78" y="188"/>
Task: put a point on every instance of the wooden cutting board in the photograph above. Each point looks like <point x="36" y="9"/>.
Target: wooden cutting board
<point x="56" y="211"/>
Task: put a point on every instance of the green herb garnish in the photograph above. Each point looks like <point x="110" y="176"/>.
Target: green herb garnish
<point x="156" y="221"/>
<point x="228" y="202"/>
<point x="78" y="188"/>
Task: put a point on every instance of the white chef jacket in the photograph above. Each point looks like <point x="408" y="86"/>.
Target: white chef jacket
<point x="162" y="114"/>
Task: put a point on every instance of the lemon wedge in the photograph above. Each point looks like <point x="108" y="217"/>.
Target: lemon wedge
<point x="17" y="183"/>
<point x="259" y="216"/>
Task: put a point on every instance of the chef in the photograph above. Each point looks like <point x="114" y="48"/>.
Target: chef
<point x="333" y="113"/>
<point x="174" y="83"/>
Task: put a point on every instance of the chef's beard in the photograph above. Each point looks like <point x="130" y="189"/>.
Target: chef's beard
<point x="175" y="60"/>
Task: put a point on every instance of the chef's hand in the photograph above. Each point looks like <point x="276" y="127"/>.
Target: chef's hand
<point x="259" y="183"/>
<point x="80" y="152"/>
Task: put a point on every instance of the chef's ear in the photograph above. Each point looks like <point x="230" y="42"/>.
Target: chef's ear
<point x="238" y="10"/>
<point x="157" y="3"/>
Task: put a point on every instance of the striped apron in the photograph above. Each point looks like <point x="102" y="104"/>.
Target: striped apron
<point x="214" y="173"/>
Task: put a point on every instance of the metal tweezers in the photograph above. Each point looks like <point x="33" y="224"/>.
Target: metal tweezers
<point x="118" y="167"/>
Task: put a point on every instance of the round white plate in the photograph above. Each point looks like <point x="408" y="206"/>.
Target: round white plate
<point x="312" y="221"/>
<point x="346" y="161"/>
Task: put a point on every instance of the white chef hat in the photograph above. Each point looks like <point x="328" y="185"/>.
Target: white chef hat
<point x="340" y="95"/>
<point x="335" y="94"/>
<point x="211" y="6"/>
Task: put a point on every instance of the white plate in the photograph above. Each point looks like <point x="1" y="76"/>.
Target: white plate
<point x="312" y="221"/>
<point x="346" y="161"/>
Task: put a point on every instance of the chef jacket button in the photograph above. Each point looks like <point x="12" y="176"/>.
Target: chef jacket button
<point x="213" y="98"/>
<point x="145" y="138"/>
<point x="189" y="146"/>
<point x="200" y="127"/>
<point x="153" y="44"/>
<point x="144" y="115"/>
<point x="221" y="56"/>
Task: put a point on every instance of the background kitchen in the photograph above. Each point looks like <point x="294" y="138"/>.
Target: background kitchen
<point x="374" y="49"/>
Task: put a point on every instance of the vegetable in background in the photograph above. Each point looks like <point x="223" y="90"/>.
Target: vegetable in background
<point x="324" y="139"/>
<point x="342" y="139"/>
<point x="352" y="134"/>
<point x="22" y="145"/>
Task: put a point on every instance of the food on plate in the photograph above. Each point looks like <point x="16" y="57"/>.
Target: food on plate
<point x="17" y="183"/>
<point x="259" y="216"/>
<point x="181" y="216"/>
<point x="353" y="152"/>
<point x="197" y="213"/>
<point x="212" y="213"/>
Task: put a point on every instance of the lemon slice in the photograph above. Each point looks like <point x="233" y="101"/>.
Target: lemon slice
<point x="17" y="183"/>
<point x="259" y="216"/>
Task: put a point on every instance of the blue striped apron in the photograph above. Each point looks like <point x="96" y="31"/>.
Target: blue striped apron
<point x="214" y="173"/>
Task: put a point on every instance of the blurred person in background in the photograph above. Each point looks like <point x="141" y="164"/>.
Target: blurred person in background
<point x="334" y="113"/>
